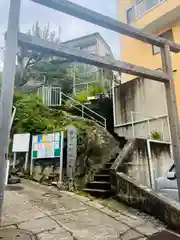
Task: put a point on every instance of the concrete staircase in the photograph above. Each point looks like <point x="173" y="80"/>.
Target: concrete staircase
<point x="101" y="186"/>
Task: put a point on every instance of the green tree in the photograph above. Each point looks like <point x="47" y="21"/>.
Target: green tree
<point x="28" y="59"/>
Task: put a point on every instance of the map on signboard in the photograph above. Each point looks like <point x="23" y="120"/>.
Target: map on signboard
<point x="46" y="146"/>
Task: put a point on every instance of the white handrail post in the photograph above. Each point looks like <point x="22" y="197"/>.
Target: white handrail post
<point x="113" y="97"/>
<point x="171" y="148"/>
<point x="151" y="169"/>
<point x="169" y="131"/>
<point x="12" y="117"/>
<point x="105" y="123"/>
<point x="82" y="111"/>
<point x="60" y="96"/>
<point x="162" y="129"/>
<point x="132" y="120"/>
<point x="149" y="128"/>
<point x="43" y="94"/>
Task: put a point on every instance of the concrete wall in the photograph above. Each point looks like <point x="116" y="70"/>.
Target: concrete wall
<point x="142" y="96"/>
<point x="161" y="158"/>
<point x="147" y="200"/>
<point x="143" y="166"/>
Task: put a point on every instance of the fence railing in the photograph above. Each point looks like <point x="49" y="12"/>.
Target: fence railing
<point x="53" y="97"/>
<point x="84" y="86"/>
<point x="148" y="120"/>
<point x="84" y="110"/>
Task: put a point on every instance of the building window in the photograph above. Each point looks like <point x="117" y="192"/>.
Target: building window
<point x="130" y="15"/>
<point x="156" y="49"/>
<point x="89" y="48"/>
<point x="168" y="35"/>
<point x="140" y="8"/>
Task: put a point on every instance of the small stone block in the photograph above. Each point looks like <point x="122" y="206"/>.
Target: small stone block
<point x="147" y="229"/>
<point x="37" y="177"/>
<point x="131" y="234"/>
<point x="14" y="170"/>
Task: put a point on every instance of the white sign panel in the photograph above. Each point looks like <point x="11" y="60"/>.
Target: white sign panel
<point x="21" y="142"/>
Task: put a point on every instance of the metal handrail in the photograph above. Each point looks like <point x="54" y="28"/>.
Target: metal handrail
<point x="12" y="117"/>
<point x="83" y="107"/>
<point x="87" y="83"/>
<point x="149" y="118"/>
<point x="46" y="92"/>
<point x="89" y="116"/>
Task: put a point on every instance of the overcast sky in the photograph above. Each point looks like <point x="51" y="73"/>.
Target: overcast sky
<point x="70" y="27"/>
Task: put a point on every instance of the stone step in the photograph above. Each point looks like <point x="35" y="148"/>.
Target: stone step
<point x="102" y="177"/>
<point x="108" y="165"/>
<point x="100" y="193"/>
<point x="13" y="180"/>
<point x="99" y="185"/>
<point x="105" y="171"/>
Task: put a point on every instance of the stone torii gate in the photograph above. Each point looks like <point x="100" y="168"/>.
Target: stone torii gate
<point x="13" y="37"/>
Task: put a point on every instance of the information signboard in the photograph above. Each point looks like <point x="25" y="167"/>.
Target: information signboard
<point x="46" y="146"/>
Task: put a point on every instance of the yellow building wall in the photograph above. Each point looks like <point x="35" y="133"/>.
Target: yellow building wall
<point x="147" y="18"/>
<point x="141" y="54"/>
<point x="176" y="65"/>
<point x="156" y="12"/>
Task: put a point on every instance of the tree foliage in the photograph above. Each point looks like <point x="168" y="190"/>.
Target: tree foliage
<point x="37" y="63"/>
<point x="45" y="33"/>
<point x="32" y="116"/>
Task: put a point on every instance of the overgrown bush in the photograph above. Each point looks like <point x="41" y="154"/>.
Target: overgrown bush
<point x="82" y="96"/>
<point x="156" y="136"/>
<point x="32" y="116"/>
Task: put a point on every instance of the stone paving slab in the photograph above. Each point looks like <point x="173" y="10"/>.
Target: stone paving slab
<point x="16" y="210"/>
<point x="39" y="225"/>
<point x="51" y="202"/>
<point x="54" y="214"/>
<point x="91" y="223"/>
<point x="53" y="235"/>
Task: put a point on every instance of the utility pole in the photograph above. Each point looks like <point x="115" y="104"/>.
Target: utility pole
<point x="8" y="89"/>
<point x="172" y="110"/>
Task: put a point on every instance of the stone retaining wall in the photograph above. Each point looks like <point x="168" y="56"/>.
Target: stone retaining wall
<point x="148" y="200"/>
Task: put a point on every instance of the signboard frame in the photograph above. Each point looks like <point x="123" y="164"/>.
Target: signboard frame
<point x="18" y="140"/>
<point x="61" y="134"/>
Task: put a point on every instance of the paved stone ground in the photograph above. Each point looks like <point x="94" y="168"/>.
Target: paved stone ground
<point x="54" y="214"/>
